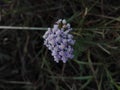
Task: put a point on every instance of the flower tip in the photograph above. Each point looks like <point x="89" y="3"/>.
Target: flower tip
<point x="55" y="26"/>
<point x="56" y="60"/>
<point x="64" y="21"/>
<point x="68" y="25"/>
<point x="59" y="21"/>
<point x="64" y="61"/>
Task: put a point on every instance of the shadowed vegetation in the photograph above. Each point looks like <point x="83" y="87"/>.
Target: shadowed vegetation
<point x="26" y="64"/>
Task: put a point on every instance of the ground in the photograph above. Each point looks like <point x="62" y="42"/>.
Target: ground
<point x="26" y="64"/>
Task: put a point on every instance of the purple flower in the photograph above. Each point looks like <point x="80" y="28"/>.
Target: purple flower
<point x="59" y="41"/>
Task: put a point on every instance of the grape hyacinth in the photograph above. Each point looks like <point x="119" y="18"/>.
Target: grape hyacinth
<point x="59" y="41"/>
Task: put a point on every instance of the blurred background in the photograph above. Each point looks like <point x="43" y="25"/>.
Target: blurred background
<point x="26" y="64"/>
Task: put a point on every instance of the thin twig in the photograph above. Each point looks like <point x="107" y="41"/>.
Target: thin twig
<point x="22" y="28"/>
<point x="43" y="28"/>
<point x="92" y="69"/>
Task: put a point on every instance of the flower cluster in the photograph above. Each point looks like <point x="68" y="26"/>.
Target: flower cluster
<point x="59" y="41"/>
